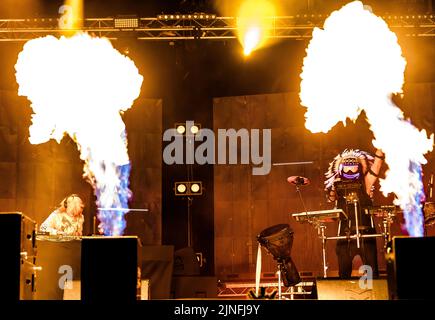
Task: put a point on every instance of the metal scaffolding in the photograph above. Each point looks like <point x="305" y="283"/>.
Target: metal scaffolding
<point x="197" y="26"/>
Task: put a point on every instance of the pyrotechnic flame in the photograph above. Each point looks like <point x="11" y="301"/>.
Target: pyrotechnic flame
<point x="254" y="24"/>
<point x="355" y="63"/>
<point x="251" y="40"/>
<point x="79" y="86"/>
<point x="71" y="16"/>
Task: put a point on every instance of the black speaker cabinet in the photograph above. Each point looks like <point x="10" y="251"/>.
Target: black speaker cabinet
<point x="110" y="268"/>
<point x="18" y="250"/>
<point x="410" y="268"/>
<point x="157" y="268"/>
<point x="186" y="263"/>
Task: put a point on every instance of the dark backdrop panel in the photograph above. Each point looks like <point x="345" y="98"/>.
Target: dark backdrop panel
<point x="246" y="204"/>
<point x="144" y="129"/>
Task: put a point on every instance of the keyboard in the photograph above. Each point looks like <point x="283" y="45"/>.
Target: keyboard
<point x="321" y="215"/>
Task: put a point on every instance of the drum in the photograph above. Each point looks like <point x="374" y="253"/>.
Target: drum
<point x="429" y="213"/>
<point x="278" y="241"/>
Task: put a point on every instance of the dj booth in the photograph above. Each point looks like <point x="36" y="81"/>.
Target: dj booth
<point x="74" y="259"/>
<point x="38" y="266"/>
<point x="60" y="260"/>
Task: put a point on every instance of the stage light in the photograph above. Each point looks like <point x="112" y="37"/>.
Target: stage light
<point x="181" y="129"/>
<point x="188" y="188"/>
<point x="181" y="188"/>
<point x="201" y="16"/>
<point x="194" y="129"/>
<point x="126" y="22"/>
<point x="194" y="187"/>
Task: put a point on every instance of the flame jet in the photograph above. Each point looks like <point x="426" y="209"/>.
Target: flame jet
<point x="79" y="86"/>
<point x="355" y="63"/>
<point x="254" y="24"/>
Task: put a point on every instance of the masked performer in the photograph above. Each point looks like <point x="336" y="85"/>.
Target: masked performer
<point x="349" y="183"/>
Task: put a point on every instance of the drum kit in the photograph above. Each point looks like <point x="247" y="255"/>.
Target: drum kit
<point x="278" y="239"/>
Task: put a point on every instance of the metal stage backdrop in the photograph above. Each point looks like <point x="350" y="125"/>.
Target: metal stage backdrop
<point x="245" y="204"/>
<point x="35" y="178"/>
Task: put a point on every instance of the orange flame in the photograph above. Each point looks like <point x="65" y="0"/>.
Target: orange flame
<point x="79" y="86"/>
<point x="355" y="63"/>
<point x="254" y="24"/>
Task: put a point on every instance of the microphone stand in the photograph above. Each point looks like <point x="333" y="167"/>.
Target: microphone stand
<point x="298" y="190"/>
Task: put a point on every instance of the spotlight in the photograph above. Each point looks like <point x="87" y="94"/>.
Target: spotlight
<point x="194" y="129"/>
<point x="194" y="187"/>
<point x="188" y="188"/>
<point x="181" y="188"/>
<point x="189" y="126"/>
<point x="181" y="129"/>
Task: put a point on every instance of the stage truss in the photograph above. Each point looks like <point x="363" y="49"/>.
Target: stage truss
<point x="303" y="290"/>
<point x="197" y="26"/>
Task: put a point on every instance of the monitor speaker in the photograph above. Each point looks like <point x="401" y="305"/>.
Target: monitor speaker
<point x="186" y="262"/>
<point x="18" y="249"/>
<point x="157" y="267"/>
<point x="352" y="289"/>
<point x="110" y="269"/>
<point x="409" y="268"/>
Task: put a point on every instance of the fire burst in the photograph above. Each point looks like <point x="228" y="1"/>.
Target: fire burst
<point x="254" y="24"/>
<point x="355" y="63"/>
<point x="79" y="86"/>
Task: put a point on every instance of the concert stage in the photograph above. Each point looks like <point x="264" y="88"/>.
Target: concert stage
<point x="216" y="150"/>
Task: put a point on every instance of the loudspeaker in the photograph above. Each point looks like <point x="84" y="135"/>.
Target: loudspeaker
<point x="186" y="262"/>
<point x="409" y="268"/>
<point x="194" y="287"/>
<point x="352" y="289"/>
<point x="110" y="269"/>
<point x="157" y="267"/>
<point x="18" y="250"/>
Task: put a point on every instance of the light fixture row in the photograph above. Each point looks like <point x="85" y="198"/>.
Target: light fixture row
<point x="182" y="129"/>
<point x="192" y="16"/>
<point x="188" y="188"/>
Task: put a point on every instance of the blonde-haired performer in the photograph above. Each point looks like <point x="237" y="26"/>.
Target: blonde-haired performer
<point x="349" y="180"/>
<point x="67" y="219"/>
